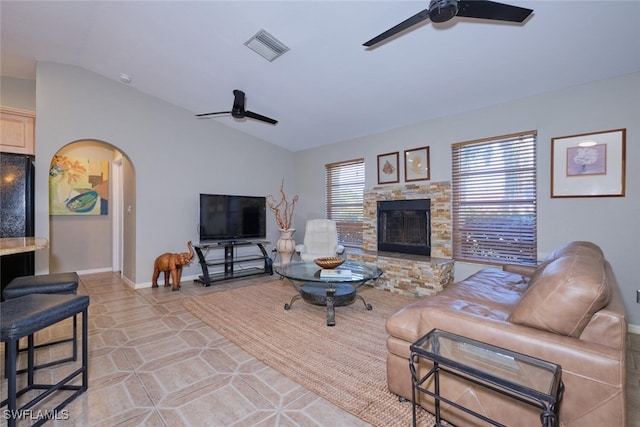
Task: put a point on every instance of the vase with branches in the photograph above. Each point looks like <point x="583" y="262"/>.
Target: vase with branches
<point x="282" y="208"/>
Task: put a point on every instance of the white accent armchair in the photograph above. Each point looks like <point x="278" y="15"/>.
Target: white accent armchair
<point x="320" y="240"/>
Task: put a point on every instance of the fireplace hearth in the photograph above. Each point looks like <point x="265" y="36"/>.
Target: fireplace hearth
<point x="404" y="226"/>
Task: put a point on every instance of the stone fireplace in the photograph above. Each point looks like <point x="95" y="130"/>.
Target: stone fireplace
<point x="410" y="273"/>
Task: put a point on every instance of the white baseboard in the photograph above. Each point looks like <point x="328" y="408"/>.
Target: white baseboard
<point x="128" y="282"/>
<point x="634" y="329"/>
<point x="148" y="284"/>
<point x="110" y="270"/>
<point x="95" y="270"/>
<point x="141" y="285"/>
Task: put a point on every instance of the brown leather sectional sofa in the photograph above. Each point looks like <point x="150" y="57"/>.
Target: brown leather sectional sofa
<point x="568" y="310"/>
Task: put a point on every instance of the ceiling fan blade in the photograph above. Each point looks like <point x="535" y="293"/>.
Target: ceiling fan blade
<point x="260" y="117"/>
<point x="415" y="19"/>
<point x="485" y="9"/>
<point x="211" y="114"/>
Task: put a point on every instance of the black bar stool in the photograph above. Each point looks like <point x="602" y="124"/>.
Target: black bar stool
<point x="54" y="283"/>
<point x="24" y="316"/>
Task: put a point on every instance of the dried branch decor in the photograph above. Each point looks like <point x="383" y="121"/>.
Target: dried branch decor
<point x="283" y="208"/>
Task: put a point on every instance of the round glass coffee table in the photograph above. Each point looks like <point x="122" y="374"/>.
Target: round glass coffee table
<point x="331" y="288"/>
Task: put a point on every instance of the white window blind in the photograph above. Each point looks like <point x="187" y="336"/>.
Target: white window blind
<point x="494" y="199"/>
<point x="345" y="195"/>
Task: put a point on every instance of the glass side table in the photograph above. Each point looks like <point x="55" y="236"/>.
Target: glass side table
<point x="331" y="291"/>
<point x="521" y="377"/>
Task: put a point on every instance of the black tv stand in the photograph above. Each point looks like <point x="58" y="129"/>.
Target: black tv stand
<point x="232" y="263"/>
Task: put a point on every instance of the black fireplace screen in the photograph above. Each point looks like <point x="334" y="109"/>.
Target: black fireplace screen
<point x="405" y="226"/>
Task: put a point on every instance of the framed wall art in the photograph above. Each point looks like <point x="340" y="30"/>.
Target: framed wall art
<point x="589" y="165"/>
<point x="78" y="186"/>
<point x="416" y="164"/>
<point x="388" y="168"/>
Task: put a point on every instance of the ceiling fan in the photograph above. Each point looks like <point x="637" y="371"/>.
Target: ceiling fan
<point x="444" y="10"/>
<point x="239" y="112"/>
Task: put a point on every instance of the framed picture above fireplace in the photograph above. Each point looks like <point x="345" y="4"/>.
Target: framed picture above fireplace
<point x="388" y="168"/>
<point x="416" y="164"/>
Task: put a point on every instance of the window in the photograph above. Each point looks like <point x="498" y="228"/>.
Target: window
<point x="494" y="199"/>
<point x="345" y="196"/>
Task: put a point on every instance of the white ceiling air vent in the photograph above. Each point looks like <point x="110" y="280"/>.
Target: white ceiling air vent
<point x="265" y="45"/>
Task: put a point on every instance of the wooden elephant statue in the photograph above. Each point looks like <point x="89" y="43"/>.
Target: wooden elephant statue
<point x="171" y="264"/>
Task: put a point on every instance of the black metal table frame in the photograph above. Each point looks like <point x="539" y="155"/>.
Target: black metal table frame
<point x="331" y="297"/>
<point x="548" y="403"/>
<point x="230" y="260"/>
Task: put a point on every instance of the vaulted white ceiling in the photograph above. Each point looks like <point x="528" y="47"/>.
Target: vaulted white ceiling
<point x="327" y="87"/>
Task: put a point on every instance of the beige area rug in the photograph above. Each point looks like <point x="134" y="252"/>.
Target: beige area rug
<point x="345" y="364"/>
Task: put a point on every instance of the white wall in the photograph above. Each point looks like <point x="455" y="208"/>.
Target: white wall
<point x="175" y="157"/>
<point x="18" y="93"/>
<point x="611" y="222"/>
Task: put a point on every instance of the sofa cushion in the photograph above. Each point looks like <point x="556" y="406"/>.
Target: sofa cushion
<point x="564" y="294"/>
<point x="489" y="293"/>
<point x="582" y="248"/>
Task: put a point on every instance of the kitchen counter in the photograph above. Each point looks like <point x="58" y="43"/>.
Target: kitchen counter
<point x="16" y="245"/>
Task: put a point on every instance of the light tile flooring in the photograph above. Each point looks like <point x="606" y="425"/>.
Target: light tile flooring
<point x="152" y="363"/>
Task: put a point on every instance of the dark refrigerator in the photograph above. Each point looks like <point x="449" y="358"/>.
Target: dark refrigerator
<point x="16" y="212"/>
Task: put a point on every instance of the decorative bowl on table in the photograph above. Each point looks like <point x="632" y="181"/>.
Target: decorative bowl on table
<point x="329" y="262"/>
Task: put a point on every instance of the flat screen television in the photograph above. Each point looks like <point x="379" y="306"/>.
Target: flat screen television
<point x="229" y="218"/>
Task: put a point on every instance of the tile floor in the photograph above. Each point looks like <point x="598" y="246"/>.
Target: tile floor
<point x="152" y="363"/>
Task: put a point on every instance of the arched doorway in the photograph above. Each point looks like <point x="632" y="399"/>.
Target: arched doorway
<point x="88" y="235"/>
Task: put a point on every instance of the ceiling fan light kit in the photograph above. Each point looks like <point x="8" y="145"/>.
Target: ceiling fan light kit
<point x="445" y="10"/>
